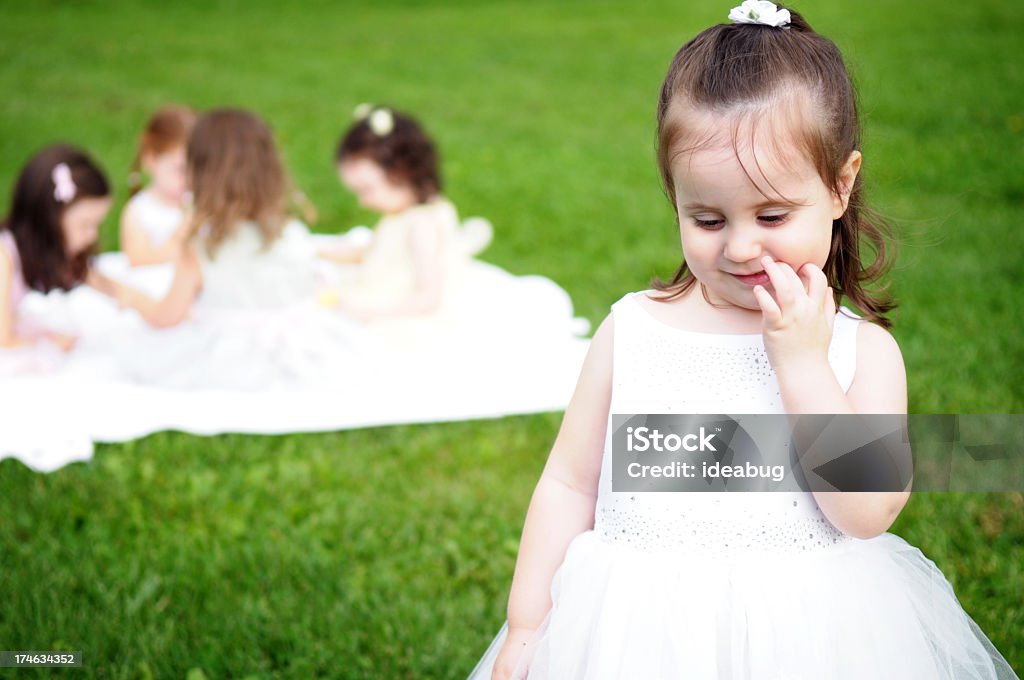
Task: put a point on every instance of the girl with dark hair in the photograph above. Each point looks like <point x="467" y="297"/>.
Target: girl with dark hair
<point x="760" y="152"/>
<point x="60" y="199"/>
<point x="407" y="268"/>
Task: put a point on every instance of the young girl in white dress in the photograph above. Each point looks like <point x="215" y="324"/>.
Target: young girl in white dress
<point x="46" y="243"/>
<point x="759" y="150"/>
<point x="416" y="281"/>
<point x="242" y="301"/>
<point x="153" y="221"/>
<point x="406" y="267"/>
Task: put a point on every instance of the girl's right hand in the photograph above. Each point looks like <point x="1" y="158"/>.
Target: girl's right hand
<point x="65" y="343"/>
<point x="510" y="652"/>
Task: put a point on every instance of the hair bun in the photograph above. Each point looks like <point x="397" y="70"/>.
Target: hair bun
<point x="798" y="23"/>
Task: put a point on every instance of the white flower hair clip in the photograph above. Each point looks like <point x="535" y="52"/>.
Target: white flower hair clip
<point x="381" y="120"/>
<point x="63" y="185"/>
<point x="760" y="12"/>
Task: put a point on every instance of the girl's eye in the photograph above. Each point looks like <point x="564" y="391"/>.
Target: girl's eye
<point x="773" y="220"/>
<point x="708" y="224"/>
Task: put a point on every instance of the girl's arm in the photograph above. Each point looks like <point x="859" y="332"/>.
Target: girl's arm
<point x="139" y="249"/>
<point x="8" y="338"/>
<point x="563" y="501"/>
<point x="353" y="249"/>
<point x="8" y="333"/>
<point x="344" y="253"/>
<point x="175" y="306"/>
<point x="798" y="327"/>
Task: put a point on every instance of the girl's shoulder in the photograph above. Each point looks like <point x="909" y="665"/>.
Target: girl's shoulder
<point x="437" y="209"/>
<point x="879" y="383"/>
<point x="9" y="249"/>
<point x="871" y="339"/>
<point x="6" y="255"/>
<point x="642" y="299"/>
<point x="874" y="341"/>
<point x="140" y="200"/>
<point x="144" y="205"/>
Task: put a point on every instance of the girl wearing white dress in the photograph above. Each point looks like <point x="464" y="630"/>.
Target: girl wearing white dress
<point x="408" y="267"/>
<point x="416" y="281"/>
<point x="46" y="243"/>
<point x="759" y="149"/>
<point x="153" y="221"/>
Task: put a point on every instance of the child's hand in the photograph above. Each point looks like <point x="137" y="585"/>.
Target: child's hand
<point x="343" y="254"/>
<point x="510" y="652"/>
<point x="178" y="240"/>
<point x="328" y="298"/>
<point x="100" y="282"/>
<point x="798" y="318"/>
<point x="65" y="343"/>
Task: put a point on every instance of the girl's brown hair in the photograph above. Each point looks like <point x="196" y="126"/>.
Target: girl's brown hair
<point x="36" y="214"/>
<point x="236" y="176"/>
<point x="751" y="69"/>
<point x="406" y="153"/>
<point x="166" y="129"/>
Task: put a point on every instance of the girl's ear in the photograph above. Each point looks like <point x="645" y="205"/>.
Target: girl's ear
<point x="847" y="175"/>
<point x="146" y="161"/>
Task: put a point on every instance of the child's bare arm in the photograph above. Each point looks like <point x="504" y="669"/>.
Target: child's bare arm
<point x="798" y="320"/>
<point x="176" y="304"/>
<point x="343" y="253"/>
<point x="8" y="338"/>
<point x="563" y="501"/>
<point x="134" y="242"/>
<point x="880" y="386"/>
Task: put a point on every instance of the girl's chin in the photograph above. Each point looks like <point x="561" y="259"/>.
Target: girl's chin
<point x="742" y="301"/>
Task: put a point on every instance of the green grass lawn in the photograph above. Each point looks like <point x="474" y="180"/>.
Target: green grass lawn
<point x="388" y="552"/>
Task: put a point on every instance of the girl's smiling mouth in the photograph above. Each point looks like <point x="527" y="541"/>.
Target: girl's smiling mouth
<point x="757" y="279"/>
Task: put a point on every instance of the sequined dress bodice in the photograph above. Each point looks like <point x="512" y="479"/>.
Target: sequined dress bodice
<point x="658" y="368"/>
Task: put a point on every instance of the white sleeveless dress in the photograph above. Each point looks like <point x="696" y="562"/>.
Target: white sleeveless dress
<point x="751" y="586"/>
<point x="158" y="220"/>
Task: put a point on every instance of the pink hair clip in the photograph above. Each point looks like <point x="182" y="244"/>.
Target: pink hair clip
<point x="63" y="185"/>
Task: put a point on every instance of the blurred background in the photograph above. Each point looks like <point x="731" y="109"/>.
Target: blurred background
<point x="388" y="552"/>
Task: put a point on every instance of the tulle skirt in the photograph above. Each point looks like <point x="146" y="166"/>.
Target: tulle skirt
<point x="300" y="347"/>
<point x="41" y="357"/>
<point x="860" y="609"/>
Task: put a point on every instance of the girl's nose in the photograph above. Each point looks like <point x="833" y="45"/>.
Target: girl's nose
<point x="742" y="244"/>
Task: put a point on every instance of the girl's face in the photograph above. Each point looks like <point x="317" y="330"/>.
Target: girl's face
<point x="81" y="223"/>
<point x="726" y="225"/>
<point x="168" y="173"/>
<point x="374" y="189"/>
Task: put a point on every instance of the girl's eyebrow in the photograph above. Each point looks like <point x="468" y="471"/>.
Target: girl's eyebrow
<point x="781" y="202"/>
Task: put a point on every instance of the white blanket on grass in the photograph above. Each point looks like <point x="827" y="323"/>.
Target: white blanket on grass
<point x="53" y="417"/>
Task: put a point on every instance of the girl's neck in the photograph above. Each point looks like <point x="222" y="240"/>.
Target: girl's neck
<point x="692" y="311"/>
<point x="162" y="199"/>
<point x="402" y="207"/>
